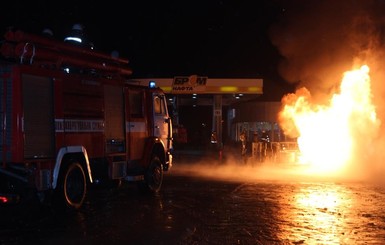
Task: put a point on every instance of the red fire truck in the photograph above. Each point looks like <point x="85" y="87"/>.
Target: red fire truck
<point x="69" y="119"/>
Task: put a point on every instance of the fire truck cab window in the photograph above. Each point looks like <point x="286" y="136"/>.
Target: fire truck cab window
<point x="136" y="104"/>
<point x="159" y="106"/>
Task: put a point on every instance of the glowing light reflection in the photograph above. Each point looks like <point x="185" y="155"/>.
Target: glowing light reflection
<point x="317" y="214"/>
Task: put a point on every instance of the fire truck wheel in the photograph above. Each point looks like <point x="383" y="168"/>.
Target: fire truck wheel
<point x="72" y="187"/>
<point x="153" y="177"/>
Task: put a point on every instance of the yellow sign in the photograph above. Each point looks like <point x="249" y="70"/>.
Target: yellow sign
<point x="188" y="85"/>
<point x="203" y="85"/>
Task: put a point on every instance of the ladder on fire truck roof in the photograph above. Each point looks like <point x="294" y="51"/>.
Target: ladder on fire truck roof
<point x="46" y="51"/>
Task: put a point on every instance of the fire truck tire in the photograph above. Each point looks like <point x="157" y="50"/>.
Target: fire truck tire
<point x="71" y="189"/>
<point x="153" y="176"/>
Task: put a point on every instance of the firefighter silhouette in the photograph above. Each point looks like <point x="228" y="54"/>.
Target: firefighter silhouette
<point x="47" y="32"/>
<point x="243" y="139"/>
<point x="265" y="143"/>
<point x="77" y="36"/>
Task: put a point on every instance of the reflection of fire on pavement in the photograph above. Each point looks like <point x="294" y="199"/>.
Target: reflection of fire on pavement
<point x="332" y="135"/>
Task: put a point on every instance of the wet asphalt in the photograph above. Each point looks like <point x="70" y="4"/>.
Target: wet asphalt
<point x="205" y="201"/>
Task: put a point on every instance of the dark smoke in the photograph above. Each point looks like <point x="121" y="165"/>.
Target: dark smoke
<point x="319" y="40"/>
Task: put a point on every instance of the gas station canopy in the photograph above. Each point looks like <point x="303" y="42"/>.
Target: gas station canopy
<point x="215" y="92"/>
<point x="203" y="85"/>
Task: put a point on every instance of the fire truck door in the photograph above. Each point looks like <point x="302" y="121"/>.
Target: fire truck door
<point x="136" y="122"/>
<point x="162" y="122"/>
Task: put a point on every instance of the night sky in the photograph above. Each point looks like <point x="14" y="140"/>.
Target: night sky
<point x="165" y="37"/>
<point x="283" y="42"/>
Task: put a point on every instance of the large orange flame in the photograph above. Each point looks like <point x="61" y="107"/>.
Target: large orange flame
<point x="329" y="135"/>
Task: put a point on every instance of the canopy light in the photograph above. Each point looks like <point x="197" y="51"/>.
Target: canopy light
<point x="228" y="89"/>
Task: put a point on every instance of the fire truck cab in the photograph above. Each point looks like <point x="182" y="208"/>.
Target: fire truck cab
<point x="69" y="119"/>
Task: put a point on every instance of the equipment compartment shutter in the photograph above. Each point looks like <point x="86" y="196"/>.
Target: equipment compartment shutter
<point x="38" y="123"/>
<point x="6" y="107"/>
<point x="114" y="118"/>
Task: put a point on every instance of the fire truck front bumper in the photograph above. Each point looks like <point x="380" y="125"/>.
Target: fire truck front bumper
<point x="9" y="199"/>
